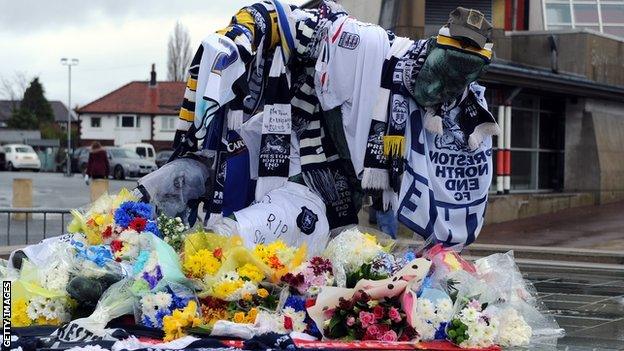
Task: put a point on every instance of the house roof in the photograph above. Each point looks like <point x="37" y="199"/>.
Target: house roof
<point x="58" y="108"/>
<point x="139" y="98"/>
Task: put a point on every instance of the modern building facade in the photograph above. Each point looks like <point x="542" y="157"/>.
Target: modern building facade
<point x="140" y="111"/>
<point x="557" y="79"/>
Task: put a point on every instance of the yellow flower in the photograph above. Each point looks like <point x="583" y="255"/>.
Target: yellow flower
<point x="174" y="324"/>
<point x="19" y="316"/>
<point x="263" y="293"/>
<point x="239" y="317"/>
<point x="247" y="296"/>
<point x="201" y="263"/>
<point x="250" y="272"/>
<point x="44" y="321"/>
<point x="251" y="316"/>
<point x="222" y="290"/>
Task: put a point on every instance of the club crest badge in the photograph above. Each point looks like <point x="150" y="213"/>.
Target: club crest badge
<point x="306" y="220"/>
<point x="349" y="40"/>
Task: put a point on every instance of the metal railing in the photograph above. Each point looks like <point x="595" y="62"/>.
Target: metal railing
<point x="35" y="219"/>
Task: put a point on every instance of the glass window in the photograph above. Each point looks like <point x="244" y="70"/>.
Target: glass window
<point x="150" y="152"/>
<point x="522" y="128"/>
<point x="558" y="13"/>
<point x="551" y="132"/>
<point x="123" y="153"/>
<point x="127" y="121"/>
<point x="522" y="170"/>
<point x="96" y="122"/>
<point x="24" y="149"/>
<point x="612" y="13"/>
<point x="550" y="170"/>
<point x="586" y="13"/>
<point x="168" y="123"/>
<point x="140" y="151"/>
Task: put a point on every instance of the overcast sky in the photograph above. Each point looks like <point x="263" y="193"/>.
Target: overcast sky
<point x="116" y="41"/>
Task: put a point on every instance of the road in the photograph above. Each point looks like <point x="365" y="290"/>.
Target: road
<point x="50" y="190"/>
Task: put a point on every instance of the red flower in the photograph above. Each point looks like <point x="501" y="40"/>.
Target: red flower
<point x="288" y="323"/>
<point x="383" y="328"/>
<point x="138" y="224"/>
<point x="275" y="263"/>
<point x="310" y="302"/>
<point x="116" y="245"/>
<point x="107" y="232"/>
<point x="378" y="311"/>
<point x="372" y="332"/>
<point x="218" y="253"/>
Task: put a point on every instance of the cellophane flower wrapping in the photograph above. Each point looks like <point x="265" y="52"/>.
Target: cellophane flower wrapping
<point x="522" y="318"/>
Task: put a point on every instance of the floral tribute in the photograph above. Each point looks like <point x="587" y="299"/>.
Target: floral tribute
<point x="122" y="258"/>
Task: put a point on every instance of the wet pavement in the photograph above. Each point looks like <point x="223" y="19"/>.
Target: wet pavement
<point x="587" y="302"/>
<point x="589" y="227"/>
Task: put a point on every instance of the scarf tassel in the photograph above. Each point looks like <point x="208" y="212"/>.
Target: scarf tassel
<point x="394" y="145"/>
<point x="321" y="182"/>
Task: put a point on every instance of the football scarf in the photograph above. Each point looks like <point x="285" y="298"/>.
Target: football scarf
<point x="385" y="144"/>
<point x="274" y="157"/>
<point x="445" y="186"/>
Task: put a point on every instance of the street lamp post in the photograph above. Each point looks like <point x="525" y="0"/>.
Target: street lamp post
<point x="69" y="62"/>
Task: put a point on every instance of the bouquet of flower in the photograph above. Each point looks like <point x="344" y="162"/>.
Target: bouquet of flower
<point x="152" y="307"/>
<point x="243" y="311"/>
<point x="174" y="325"/>
<point x="363" y="318"/>
<point x="308" y="278"/>
<point x="280" y="257"/>
<point x="40" y="310"/>
<point x="349" y="251"/>
<point x="97" y="223"/>
<point x="431" y="317"/>
<point x="472" y="327"/>
<point x="172" y="231"/>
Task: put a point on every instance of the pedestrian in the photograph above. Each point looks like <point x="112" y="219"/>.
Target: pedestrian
<point x="97" y="167"/>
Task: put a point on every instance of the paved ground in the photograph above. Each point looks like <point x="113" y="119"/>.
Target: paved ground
<point x="592" y="227"/>
<point x="587" y="302"/>
<point x="50" y="190"/>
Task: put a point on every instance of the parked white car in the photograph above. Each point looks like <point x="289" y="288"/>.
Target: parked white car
<point x="20" y="156"/>
<point x="144" y="150"/>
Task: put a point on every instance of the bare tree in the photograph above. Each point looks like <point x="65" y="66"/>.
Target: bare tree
<point x="178" y="53"/>
<point x="13" y="88"/>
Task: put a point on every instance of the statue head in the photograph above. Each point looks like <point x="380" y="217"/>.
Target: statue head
<point x="456" y="57"/>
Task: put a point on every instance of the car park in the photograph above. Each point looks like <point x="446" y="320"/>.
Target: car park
<point x="21" y="156"/>
<point x="127" y="163"/>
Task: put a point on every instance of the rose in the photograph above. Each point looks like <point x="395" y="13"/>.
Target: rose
<point x="372" y="332"/>
<point x="116" y="245"/>
<point x="394" y="315"/>
<point x="389" y="336"/>
<point x="350" y="321"/>
<point x="383" y="328"/>
<point x="366" y="318"/>
<point x="378" y="311"/>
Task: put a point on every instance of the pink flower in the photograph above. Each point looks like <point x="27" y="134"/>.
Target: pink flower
<point x="351" y="321"/>
<point x="366" y="318"/>
<point x="389" y="336"/>
<point x="394" y="315"/>
<point x="475" y="304"/>
<point x="372" y="332"/>
<point x="378" y="311"/>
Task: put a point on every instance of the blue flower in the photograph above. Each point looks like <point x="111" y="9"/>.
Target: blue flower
<point x="129" y="210"/>
<point x="440" y="333"/>
<point x="295" y="302"/>
<point x="409" y="256"/>
<point x="160" y="314"/>
<point x="152" y="227"/>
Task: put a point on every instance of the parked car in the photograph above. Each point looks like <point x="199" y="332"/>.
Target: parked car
<point x="20" y="156"/>
<point x="127" y="163"/>
<point x="79" y="159"/>
<point x="2" y="159"/>
<point x="162" y="157"/>
<point x="144" y="150"/>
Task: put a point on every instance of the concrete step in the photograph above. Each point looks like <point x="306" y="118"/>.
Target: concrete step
<point x="5" y="251"/>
